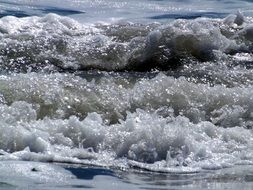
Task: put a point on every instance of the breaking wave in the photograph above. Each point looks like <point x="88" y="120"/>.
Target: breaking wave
<point x="173" y="97"/>
<point x="60" y="43"/>
<point x="161" y="124"/>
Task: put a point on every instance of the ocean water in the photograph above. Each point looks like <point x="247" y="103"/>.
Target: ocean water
<point x="106" y="94"/>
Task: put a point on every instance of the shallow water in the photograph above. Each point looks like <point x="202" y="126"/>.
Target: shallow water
<point x="34" y="175"/>
<point x="141" y="95"/>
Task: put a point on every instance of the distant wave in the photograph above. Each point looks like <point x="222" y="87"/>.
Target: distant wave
<point x="190" y="15"/>
<point x="64" y="44"/>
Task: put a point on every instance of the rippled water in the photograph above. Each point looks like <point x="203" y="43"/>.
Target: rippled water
<point x="129" y="94"/>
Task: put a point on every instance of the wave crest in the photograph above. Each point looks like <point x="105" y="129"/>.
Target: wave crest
<point x="60" y="43"/>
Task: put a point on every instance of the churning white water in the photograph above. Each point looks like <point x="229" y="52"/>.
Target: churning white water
<point x="154" y="86"/>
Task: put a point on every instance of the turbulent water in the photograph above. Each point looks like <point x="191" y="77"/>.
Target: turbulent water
<point x="156" y="85"/>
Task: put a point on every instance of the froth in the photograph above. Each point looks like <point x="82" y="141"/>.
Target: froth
<point x="63" y="95"/>
<point x="60" y="43"/>
<point x="196" y="115"/>
<point x="161" y="143"/>
<point x="160" y="124"/>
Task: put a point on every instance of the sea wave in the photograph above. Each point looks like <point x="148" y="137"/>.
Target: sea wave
<point x="58" y="102"/>
<point x="159" y="124"/>
<point x="60" y="43"/>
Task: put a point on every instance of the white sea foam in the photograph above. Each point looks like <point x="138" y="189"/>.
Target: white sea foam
<point x="178" y="124"/>
<point x="54" y="43"/>
<point x="23" y="171"/>
<point x="177" y="98"/>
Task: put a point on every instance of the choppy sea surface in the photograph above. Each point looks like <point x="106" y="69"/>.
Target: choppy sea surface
<point x="106" y="94"/>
